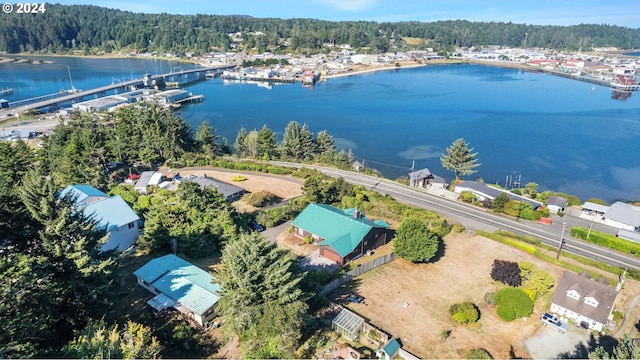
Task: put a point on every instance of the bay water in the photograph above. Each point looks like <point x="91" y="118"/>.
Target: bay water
<point x="563" y="134"/>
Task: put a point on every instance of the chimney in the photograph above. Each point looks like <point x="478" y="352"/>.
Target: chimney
<point x="356" y="213"/>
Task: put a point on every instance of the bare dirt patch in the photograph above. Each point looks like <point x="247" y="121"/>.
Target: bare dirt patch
<point x="412" y="301"/>
<point x="296" y="245"/>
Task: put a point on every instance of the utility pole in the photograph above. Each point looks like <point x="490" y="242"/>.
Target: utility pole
<point x="413" y="166"/>
<point x="564" y="228"/>
<point x="589" y="232"/>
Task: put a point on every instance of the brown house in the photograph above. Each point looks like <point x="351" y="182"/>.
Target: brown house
<point x="342" y="235"/>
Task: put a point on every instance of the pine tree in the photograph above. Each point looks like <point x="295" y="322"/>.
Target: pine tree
<point x="206" y="139"/>
<point x="262" y="299"/>
<point x="460" y="159"/>
<point x="61" y="280"/>
<point x="266" y="143"/>
<point x="415" y="242"/>
<point x="239" y="145"/>
<point x="324" y="142"/>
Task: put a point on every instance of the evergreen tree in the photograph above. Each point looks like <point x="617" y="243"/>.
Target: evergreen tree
<point x="239" y="146"/>
<point x="627" y="348"/>
<point x="415" y="242"/>
<point x="206" y="139"/>
<point x="266" y="143"/>
<point x="324" y="142"/>
<point x="51" y="289"/>
<point x="262" y="299"/>
<point x="460" y="159"/>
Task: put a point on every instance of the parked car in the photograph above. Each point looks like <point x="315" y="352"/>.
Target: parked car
<point x="549" y="319"/>
<point x="255" y="226"/>
<point x="355" y="298"/>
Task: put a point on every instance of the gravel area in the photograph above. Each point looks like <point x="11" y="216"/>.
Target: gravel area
<point x="548" y="343"/>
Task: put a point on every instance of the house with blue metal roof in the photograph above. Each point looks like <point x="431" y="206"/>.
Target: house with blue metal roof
<point x="111" y="213"/>
<point x="341" y="235"/>
<point x="178" y="284"/>
<point x="83" y="194"/>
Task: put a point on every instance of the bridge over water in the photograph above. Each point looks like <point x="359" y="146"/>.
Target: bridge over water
<point x="40" y="102"/>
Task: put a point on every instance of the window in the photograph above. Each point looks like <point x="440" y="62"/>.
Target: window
<point x="131" y="224"/>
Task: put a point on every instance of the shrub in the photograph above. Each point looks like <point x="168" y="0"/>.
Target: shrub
<point x="606" y="240"/>
<point x="506" y="272"/>
<point x="261" y="198"/>
<point x="444" y="334"/>
<point x="464" y="313"/>
<point x="478" y="354"/>
<point x="513" y="303"/>
<point x="489" y="297"/>
<point x="458" y="228"/>
<point x="468" y="196"/>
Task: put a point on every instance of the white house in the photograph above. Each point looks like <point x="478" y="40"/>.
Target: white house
<point x="587" y="302"/>
<point x="111" y="213"/>
<point x="178" y="284"/>
<point x="556" y="204"/>
<point x="623" y="216"/>
<point x="425" y="179"/>
<point x="484" y="192"/>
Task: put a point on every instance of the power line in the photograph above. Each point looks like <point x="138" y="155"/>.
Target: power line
<point x="381" y="163"/>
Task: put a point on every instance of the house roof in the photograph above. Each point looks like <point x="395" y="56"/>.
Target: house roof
<point x="227" y="190"/>
<point x="558" y="201"/>
<point x="339" y="229"/>
<point x="425" y="174"/>
<point x="604" y="294"/>
<point x="491" y="192"/>
<point x="421" y="174"/>
<point x="111" y="213"/>
<point x="182" y="282"/>
<point x="624" y="213"/>
<point x="144" y="179"/>
<point x="81" y="193"/>
<point x="595" y="207"/>
<point x="629" y="235"/>
<point x="392" y="347"/>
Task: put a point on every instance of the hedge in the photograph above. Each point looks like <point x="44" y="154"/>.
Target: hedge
<point x="609" y="241"/>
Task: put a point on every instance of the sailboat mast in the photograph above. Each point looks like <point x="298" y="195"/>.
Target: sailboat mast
<point x="73" y="89"/>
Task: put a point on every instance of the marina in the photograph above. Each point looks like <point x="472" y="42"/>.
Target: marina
<point x="101" y="100"/>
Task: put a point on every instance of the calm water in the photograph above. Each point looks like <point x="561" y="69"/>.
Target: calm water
<point x="563" y="134"/>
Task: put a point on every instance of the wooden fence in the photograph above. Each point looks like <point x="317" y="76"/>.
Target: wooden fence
<point x="359" y="270"/>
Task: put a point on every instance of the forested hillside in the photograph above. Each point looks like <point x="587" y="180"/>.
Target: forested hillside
<point x="93" y="29"/>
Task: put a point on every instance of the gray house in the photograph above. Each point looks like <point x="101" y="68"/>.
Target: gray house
<point x="229" y="191"/>
<point x="557" y="204"/>
<point x="425" y="179"/>
<point x="623" y="216"/>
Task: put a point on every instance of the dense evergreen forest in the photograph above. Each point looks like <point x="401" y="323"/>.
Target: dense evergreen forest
<point x="93" y="29"/>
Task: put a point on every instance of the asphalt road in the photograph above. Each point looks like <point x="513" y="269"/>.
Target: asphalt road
<point x="475" y="218"/>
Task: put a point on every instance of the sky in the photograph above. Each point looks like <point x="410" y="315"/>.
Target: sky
<point x="537" y="12"/>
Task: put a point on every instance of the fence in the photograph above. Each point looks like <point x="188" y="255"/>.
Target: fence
<point x="359" y="270"/>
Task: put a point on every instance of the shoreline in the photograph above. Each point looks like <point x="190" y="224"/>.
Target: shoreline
<point x="364" y="69"/>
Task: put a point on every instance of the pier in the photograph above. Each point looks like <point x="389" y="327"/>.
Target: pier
<point x="148" y="81"/>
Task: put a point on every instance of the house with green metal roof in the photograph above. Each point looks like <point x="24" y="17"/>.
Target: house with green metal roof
<point x="178" y="284"/>
<point x="341" y="235"/>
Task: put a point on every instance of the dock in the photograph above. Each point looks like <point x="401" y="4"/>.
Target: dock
<point x="149" y="81"/>
<point x="8" y="91"/>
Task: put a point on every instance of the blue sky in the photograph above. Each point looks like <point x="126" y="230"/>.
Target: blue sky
<point x="536" y="12"/>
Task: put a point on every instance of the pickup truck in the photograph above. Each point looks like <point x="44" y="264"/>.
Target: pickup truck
<point x="552" y="320"/>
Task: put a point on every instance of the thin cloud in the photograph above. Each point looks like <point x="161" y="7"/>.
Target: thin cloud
<point x="351" y="5"/>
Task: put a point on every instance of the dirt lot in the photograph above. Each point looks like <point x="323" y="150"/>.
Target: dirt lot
<point x="284" y="187"/>
<point x="411" y="301"/>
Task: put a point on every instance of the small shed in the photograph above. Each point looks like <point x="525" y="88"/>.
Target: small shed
<point x="390" y="350"/>
<point x="347" y="324"/>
